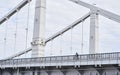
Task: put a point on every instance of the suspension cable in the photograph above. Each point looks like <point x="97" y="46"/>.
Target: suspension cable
<point x="61" y="40"/>
<point x="27" y="27"/>
<point x="71" y="38"/>
<point x="82" y="37"/>
<point x="5" y="38"/>
<point x="51" y="48"/>
<point x="15" y="34"/>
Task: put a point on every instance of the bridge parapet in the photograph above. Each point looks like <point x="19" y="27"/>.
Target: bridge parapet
<point x="71" y="60"/>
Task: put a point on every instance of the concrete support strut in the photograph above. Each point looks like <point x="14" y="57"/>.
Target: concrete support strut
<point x="38" y="43"/>
<point x="93" y="42"/>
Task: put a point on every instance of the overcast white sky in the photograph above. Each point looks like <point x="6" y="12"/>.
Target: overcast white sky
<point x="61" y="13"/>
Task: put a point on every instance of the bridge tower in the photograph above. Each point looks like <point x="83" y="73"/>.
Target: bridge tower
<point x="94" y="31"/>
<point x="38" y="43"/>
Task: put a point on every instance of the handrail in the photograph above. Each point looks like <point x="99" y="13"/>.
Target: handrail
<point x="69" y="58"/>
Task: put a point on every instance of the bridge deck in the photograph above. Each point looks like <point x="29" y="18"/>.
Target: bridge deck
<point x="71" y="60"/>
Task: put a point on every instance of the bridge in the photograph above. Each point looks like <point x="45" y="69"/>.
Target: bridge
<point x="94" y="63"/>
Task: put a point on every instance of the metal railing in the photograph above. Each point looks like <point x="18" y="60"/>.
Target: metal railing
<point x="60" y="59"/>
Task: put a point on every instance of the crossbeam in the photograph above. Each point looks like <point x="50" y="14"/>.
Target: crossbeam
<point x="103" y="12"/>
<point x="13" y="11"/>
<point x="54" y="36"/>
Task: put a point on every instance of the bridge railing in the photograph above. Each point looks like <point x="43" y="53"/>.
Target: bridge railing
<point x="63" y="59"/>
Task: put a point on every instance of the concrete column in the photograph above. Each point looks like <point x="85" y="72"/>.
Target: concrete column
<point x="93" y="41"/>
<point x="38" y="43"/>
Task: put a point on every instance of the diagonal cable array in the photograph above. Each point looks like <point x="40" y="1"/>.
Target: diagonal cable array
<point x="54" y="36"/>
